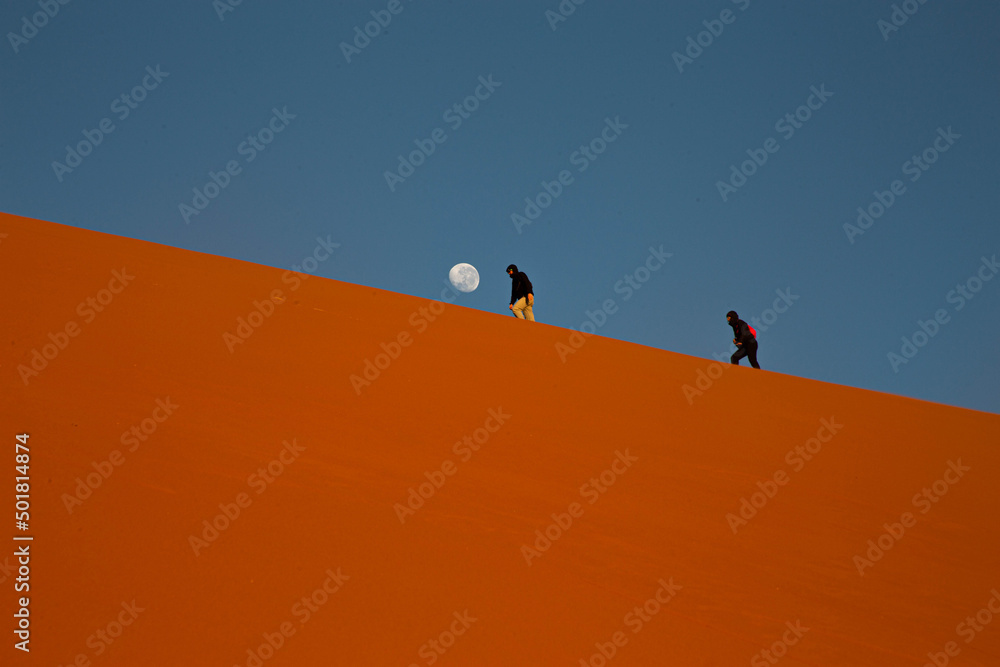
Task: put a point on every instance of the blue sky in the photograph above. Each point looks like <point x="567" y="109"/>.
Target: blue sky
<point x="343" y="117"/>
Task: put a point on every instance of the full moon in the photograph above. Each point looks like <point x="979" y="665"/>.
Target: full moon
<point x="464" y="277"/>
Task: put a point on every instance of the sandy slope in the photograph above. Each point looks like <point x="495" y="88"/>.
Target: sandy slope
<point x="333" y="506"/>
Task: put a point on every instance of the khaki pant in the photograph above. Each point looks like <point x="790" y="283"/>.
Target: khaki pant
<point x="523" y="310"/>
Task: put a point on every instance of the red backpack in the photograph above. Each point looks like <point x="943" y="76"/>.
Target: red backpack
<point x="753" y="331"/>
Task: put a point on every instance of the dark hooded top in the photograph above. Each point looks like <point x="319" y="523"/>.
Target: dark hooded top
<point x="520" y="286"/>
<point x="741" y="331"/>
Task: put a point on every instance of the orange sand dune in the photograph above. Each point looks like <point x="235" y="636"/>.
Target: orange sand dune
<point x="488" y="499"/>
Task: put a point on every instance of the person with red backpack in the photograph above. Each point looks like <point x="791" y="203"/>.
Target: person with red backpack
<point x="745" y="339"/>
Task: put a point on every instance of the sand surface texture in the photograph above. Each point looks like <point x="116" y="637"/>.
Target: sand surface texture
<point x="206" y="492"/>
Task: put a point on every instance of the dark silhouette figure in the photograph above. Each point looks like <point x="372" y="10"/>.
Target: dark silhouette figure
<point x="744" y="339"/>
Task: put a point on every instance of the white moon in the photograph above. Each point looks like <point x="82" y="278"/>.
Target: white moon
<point x="464" y="277"/>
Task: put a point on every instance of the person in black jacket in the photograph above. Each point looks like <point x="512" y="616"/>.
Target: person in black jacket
<point x="522" y="297"/>
<point x="744" y="340"/>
